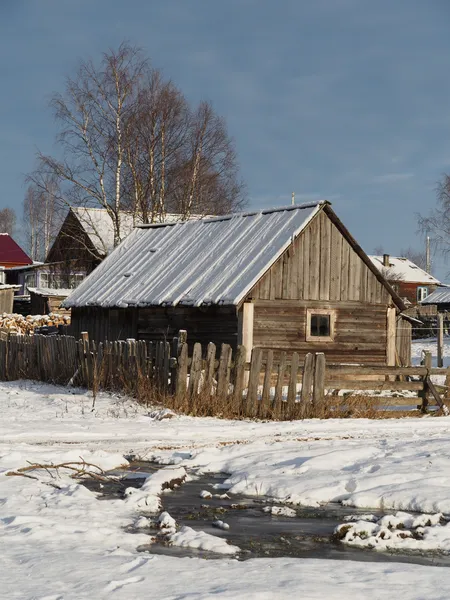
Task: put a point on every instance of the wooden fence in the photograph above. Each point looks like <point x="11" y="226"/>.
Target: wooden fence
<point x="264" y="387"/>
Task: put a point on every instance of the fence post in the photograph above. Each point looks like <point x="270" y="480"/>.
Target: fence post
<point x="196" y="370"/>
<point x="223" y="375"/>
<point x="319" y="380"/>
<point x="292" y="389"/>
<point x="239" y="377"/>
<point x="265" y="398"/>
<point x="252" y="392"/>
<point x="307" y="381"/>
<point x="182" y="371"/>
<point x="427" y="361"/>
<point x="84" y="356"/>
<point x="440" y="340"/>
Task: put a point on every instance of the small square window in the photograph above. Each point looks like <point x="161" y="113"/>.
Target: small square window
<point x="320" y="325"/>
<point x="422" y="293"/>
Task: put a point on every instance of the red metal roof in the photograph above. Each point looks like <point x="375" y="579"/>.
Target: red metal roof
<point x="11" y="252"/>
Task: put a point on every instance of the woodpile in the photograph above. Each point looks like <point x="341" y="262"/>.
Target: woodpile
<point x="26" y="325"/>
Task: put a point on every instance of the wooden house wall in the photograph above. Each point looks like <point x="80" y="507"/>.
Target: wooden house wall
<point x="73" y="248"/>
<point x="408" y="290"/>
<point x="103" y="323"/>
<point x="321" y="270"/>
<point x="216" y="324"/>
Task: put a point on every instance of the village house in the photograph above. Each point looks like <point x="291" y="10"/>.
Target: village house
<point x="11" y="254"/>
<point x="412" y="283"/>
<point x="288" y="279"/>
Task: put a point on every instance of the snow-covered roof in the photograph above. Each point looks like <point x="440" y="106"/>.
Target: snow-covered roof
<point x="59" y="293"/>
<point x="99" y="226"/>
<point x="439" y="296"/>
<point x="405" y="269"/>
<point x="194" y="263"/>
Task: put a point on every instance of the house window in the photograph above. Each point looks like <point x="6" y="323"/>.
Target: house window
<point x="30" y="280"/>
<point x="422" y="293"/>
<point x="320" y="325"/>
<point x="75" y="279"/>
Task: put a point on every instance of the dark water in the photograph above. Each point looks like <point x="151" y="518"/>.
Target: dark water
<point x="258" y="534"/>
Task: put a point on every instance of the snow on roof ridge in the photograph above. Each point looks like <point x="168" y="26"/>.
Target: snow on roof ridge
<point x="253" y="213"/>
<point x="410" y="271"/>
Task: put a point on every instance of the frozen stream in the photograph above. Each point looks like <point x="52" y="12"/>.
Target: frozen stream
<point x="259" y="534"/>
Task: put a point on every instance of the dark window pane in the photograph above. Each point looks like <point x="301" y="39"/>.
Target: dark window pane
<point x="320" y="325"/>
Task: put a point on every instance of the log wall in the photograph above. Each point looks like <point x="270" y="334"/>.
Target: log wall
<point x="360" y="330"/>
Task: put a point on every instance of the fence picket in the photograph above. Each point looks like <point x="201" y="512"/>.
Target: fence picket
<point x="253" y="382"/>
<point x="196" y="370"/>
<point x="292" y="389"/>
<point x="223" y="375"/>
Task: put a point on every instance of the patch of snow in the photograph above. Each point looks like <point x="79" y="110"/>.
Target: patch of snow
<point x="190" y="538"/>
<point x="281" y="511"/>
<point x="402" y="531"/>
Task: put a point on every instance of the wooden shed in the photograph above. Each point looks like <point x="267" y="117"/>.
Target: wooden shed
<point x="287" y="278"/>
<point x="7" y="297"/>
<point x="44" y="301"/>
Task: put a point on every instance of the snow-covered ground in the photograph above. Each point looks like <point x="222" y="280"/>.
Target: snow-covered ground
<point x="59" y="542"/>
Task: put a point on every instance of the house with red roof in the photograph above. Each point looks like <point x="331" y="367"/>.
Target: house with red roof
<point x="11" y="254"/>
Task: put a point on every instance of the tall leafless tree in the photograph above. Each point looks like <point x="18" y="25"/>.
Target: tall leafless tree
<point x="418" y="257"/>
<point x="7" y="220"/>
<point x="437" y="222"/>
<point x="42" y="217"/>
<point x="130" y="142"/>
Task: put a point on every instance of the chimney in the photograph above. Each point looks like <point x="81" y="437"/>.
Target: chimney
<point x="386" y="260"/>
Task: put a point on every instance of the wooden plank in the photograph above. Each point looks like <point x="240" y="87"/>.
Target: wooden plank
<point x="307" y="379"/>
<point x="440" y="340"/>
<point x="292" y="389"/>
<point x="166" y="367"/>
<point x="210" y="366"/>
<point x="345" y="267"/>
<point x="325" y="257"/>
<point x="314" y="258"/>
<point x="182" y="371"/>
<point x="239" y="374"/>
<point x="223" y="375"/>
<point x="391" y="336"/>
<point x="299" y="260"/>
<point x="265" y="399"/>
<point x="286" y="274"/>
<point x="195" y="371"/>
<point x="319" y="380"/>
<point x="253" y="383"/>
<point x="340" y="384"/>
<point x="306" y="269"/>
<point x="280" y="381"/>
<point x="335" y="268"/>
<point x="334" y="371"/>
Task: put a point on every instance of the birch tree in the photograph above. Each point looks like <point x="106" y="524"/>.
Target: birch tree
<point x="42" y="218"/>
<point x="130" y="142"/>
<point x="7" y="220"/>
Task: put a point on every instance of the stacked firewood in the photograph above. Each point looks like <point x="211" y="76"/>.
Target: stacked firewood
<point x="26" y="325"/>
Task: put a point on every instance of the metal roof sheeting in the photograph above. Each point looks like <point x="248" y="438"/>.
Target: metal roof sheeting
<point x="193" y="263"/>
<point x="439" y="296"/>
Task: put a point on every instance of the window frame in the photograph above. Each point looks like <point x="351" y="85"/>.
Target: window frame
<point x="320" y="311"/>
<point x="422" y="288"/>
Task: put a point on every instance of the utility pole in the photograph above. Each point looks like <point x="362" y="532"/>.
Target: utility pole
<point x="428" y="259"/>
<point x="293" y="198"/>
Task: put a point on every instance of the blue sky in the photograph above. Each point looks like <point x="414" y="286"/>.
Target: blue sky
<point x="341" y="99"/>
